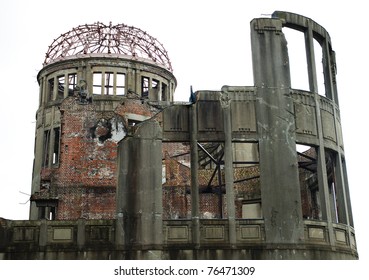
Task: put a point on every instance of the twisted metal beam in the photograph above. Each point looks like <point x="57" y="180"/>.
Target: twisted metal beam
<point x="99" y="38"/>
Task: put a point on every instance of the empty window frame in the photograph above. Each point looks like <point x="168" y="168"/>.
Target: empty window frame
<point x="108" y="83"/>
<point x="145" y="86"/>
<point x="309" y="184"/>
<point x="56" y="148"/>
<point x="72" y="83"/>
<point x="50" y="90"/>
<point x="47" y="212"/>
<point x="45" y="161"/>
<point x="61" y="87"/>
<point x="297" y="58"/>
<point x="164" y="91"/>
<point x="120" y="83"/>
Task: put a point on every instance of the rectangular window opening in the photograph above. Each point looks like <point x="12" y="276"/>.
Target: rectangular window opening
<point x="308" y="178"/>
<point x="72" y="83"/>
<point x="164" y="89"/>
<point x="297" y="58"/>
<point x="246" y="175"/>
<point x="61" y="86"/>
<point x="56" y="152"/>
<point x="120" y="84"/>
<point x="96" y="83"/>
<point x="176" y="181"/>
<point x="45" y="161"/>
<point x="145" y="87"/>
<point x="50" y="90"/>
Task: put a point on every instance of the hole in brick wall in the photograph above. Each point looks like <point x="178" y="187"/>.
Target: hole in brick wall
<point x="102" y="130"/>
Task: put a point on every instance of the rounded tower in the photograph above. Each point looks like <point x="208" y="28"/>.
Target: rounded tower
<point x="95" y="82"/>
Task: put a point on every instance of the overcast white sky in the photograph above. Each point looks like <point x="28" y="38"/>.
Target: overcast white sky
<point x="209" y="46"/>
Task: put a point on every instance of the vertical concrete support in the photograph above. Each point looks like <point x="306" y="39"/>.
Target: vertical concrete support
<point x="228" y="168"/>
<point x="81" y="233"/>
<point x="195" y="206"/>
<point x="37" y="165"/>
<point x="341" y="184"/>
<point x="280" y="188"/>
<point x="139" y="194"/>
<point x="310" y="59"/>
<point x="42" y="241"/>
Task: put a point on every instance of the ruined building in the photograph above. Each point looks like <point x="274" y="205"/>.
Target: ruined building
<point x="121" y="171"/>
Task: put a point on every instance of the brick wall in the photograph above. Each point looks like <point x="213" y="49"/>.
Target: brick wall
<point x="84" y="180"/>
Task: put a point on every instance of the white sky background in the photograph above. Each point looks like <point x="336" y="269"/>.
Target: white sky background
<point x="209" y="46"/>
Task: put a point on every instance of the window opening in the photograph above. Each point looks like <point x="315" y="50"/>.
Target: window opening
<point x="50" y="90"/>
<point x="41" y="212"/>
<point x="96" y="84"/>
<point x="46" y="212"/>
<point x="52" y="213"/>
<point x="72" y="82"/>
<point x="176" y="180"/>
<point x="56" y="145"/>
<point x="164" y="88"/>
<point x="297" y="58"/>
<point x="61" y="86"/>
<point x="145" y="87"/>
<point x="246" y="174"/>
<point x="155" y="84"/>
<point x="46" y="148"/>
<point x="108" y="83"/>
<point x="154" y="91"/>
<point x="308" y="177"/>
<point x="120" y="84"/>
<point x="211" y="180"/>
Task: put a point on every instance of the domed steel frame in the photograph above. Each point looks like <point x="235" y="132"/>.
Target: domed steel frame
<point x="117" y="39"/>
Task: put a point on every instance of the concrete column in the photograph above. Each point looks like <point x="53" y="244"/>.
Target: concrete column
<point x="280" y="187"/>
<point x="228" y="169"/>
<point x="42" y="240"/>
<point x="344" y="207"/>
<point x="139" y="194"/>
<point x="81" y="233"/>
<point x="195" y="207"/>
<point x="310" y="59"/>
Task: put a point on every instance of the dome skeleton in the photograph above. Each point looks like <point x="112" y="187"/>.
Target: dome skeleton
<point x="99" y="38"/>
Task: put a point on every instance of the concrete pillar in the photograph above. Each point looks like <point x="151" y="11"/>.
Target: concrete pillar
<point x="81" y="233"/>
<point x="341" y="184"/>
<point x="139" y="194"/>
<point x="228" y="169"/>
<point x="280" y="188"/>
<point x="310" y="59"/>
<point x="42" y="240"/>
<point x="195" y="207"/>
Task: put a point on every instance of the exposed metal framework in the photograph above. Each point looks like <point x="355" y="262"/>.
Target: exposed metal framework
<point x="99" y="38"/>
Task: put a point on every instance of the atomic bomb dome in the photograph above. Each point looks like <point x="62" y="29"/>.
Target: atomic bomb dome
<point x="98" y="38"/>
<point x="121" y="171"/>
